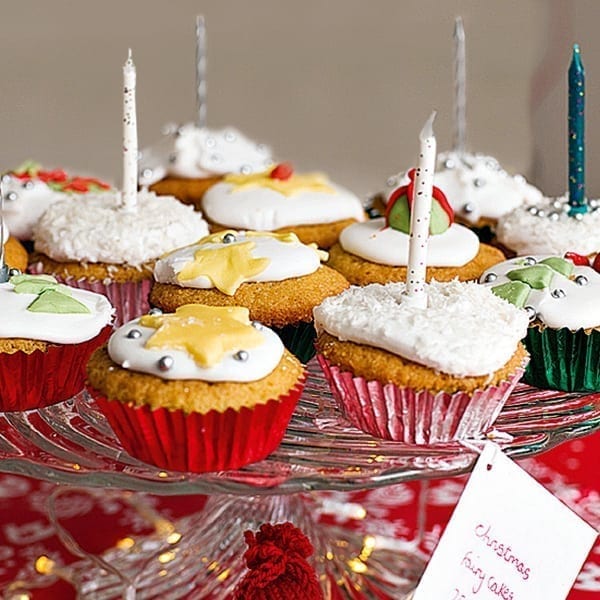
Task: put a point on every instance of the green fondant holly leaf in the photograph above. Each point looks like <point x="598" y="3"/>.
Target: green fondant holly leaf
<point x="515" y="292"/>
<point x="439" y="220"/>
<point x="537" y="276"/>
<point x="560" y="265"/>
<point x="29" y="167"/>
<point x="32" y="284"/>
<point x="55" y="301"/>
<point x="398" y="217"/>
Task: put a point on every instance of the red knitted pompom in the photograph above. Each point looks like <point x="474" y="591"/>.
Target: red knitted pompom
<point x="276" y="557"/>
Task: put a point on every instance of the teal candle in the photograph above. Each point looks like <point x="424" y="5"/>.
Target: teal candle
<point x="577" y="201"/>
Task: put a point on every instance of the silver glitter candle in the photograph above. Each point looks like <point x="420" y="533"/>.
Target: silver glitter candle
<point x="460" y="94"/>
<point x="200" y="72"/>
<point x="130" y="141"/>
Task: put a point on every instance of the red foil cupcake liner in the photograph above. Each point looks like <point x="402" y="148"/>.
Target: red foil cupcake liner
<point x="200" y="443"/>
<point x="415" y="416"/>
<point x="129" y="298"/>
<point x="39" y="379"/>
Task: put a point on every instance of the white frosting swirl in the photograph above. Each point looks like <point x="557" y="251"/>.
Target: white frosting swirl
<point x="25" y="203"/>
<point x="264" y="209"/>
<point x="287" y="260"/>
<point x="464" y="331"/>
<point x="63" y="328"/>
<point x="476" y="186"/>
<point x="579" y="308"/>
<point x="132" y="354"/>
<point x="373" y="241"/>
<point x="98" y="229"/>
<point x="192" y="152"/>
<point x="526" y="230"/>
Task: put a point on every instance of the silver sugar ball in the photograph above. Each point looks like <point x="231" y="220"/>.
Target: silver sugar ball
<point x="257" y="325"/>
<point x="578" y="216"/>
<point x="172" y="158"/>
<point x="28" y="185"/>
<point x="165" y="363"/>
<point x="449" y="163"/>
<point x="541" y="212"/>
<point x="581" y="280"/>
<point x="229" y="238"/>
<point x="468" y="208"/>
<point x="147" y="173"/>
<point x="558" y="293"/>
<point x="229" y="136"/>
<point x="391" y="182"/>
<point x="241" y="355"/>
<point x="554" y="216"/>
<point x="215" y="158"/>
<point x="557" y="204"/>
<point x="211" y="142"/>
<point x="134" y="334"/>
<point x="262" y="148"/>
<point x="12" y="196"/>
<point x="531" y="313"/>
<point x="179" y="131"/>
<point x="478" y="182"/>
<point x="13" y="272"/>
<point x="246" y="169"/>
<point x="155" y="311"/>
<point x="490" y="277"/>
<point x="593" y="203"/>
<point x="529" y="261"/>
<point x="6" y="178"/>
<point x="532" y="210"/>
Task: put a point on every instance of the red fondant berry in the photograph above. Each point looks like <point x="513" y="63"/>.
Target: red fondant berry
<point x="596" y="263"/>
<point x="578" y="259"/>
<point x="282" y="171"/>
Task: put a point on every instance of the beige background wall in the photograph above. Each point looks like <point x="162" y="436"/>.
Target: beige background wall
<point x="338" y="85"/>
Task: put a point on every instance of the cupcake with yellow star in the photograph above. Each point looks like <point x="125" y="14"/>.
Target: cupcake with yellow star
<point x="278" y="278"/>
<point x="280" y="200"/>
<point x="201" y="389"/>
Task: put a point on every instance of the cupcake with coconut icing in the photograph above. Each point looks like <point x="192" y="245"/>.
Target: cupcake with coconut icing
<point x="30" y="189"/>
<point x="560" y="295"/>
<point x="280" y="200"/>
<point x="421" y="375"/>
<point x="277" y="277"/>
<point x="104" y="246"/>
<point x="376" y="251"/>
<point x="190" y="159"/>
<point x="225" y="384"/>
<point x="545" y="227"/>
<point x="478" y="189"/>
<point x="47" y="333"/>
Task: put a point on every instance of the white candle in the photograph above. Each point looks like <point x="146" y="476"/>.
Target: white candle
<point x="420" y="216"/>
<point x="201" y="72"/>
<point x="130" y="142"/>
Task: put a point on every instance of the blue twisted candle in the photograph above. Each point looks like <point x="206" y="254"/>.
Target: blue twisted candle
<point x="577" y="201"/>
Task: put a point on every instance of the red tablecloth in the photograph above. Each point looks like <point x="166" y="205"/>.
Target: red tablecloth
<point x="570" y="471"/>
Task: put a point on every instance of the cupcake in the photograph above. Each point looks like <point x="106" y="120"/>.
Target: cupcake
<point x="29" y="190"/>
<point x="545" y="227"/>
<point x="202" y="389"/>
<point x="478" y="189"/>
<point x="47" y="334"/>
<point x="561" y="297"/>
<point x="190" y="159"/>
<point x="279" y="200"/>
<point x="106" y="247"/>
<point x="376" y="251"/>
<point x="421" y="375"/>
<point x="279" y="279"/>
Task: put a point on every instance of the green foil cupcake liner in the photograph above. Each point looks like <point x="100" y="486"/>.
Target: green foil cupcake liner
<point x="299" y="339"/>
<point x="562" y="359"/>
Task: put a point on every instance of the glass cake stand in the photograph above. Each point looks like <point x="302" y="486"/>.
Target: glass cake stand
<point x="200" y="556"/>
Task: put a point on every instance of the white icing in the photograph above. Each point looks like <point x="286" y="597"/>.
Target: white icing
<point x="373" y="241"/>
<point x="578" y="309"/>
<point x="464" y="331"/>
<point x="131" y="354"/>
<point x="192" y="152"/>
<point x="476" y="181"/>
<point x="527" y="233"/>
<point x="70" y="328"/>
<point x="288" y="259"/>
<point x="32" y="199"/>
<point x="264" y="209"/>
<point x="98" y="229"/>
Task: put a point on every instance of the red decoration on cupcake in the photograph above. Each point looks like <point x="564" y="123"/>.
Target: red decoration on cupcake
<point x="596" y="263"/>
<point x="276" y="557"/>
<point x="578" y="259"/>
<point x="283" y="171"/>
<point x="399" y="208"/>
<point x="58" y="179"/>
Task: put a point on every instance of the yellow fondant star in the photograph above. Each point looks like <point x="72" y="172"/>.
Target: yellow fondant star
<point x="227" y="266"/>
<point x="208" y="333"/>
<point x="309" y="182"/>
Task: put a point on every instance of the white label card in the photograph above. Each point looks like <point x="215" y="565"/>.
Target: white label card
<point x="508" y="539"/>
